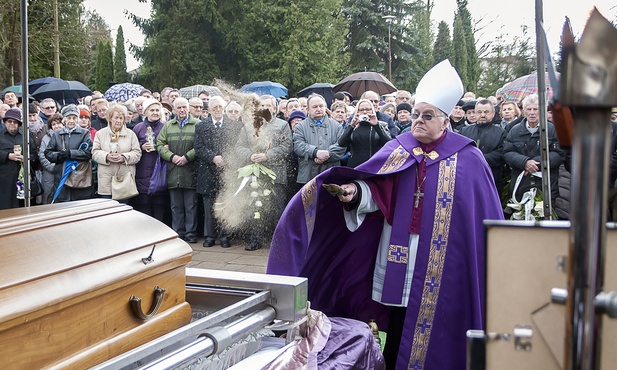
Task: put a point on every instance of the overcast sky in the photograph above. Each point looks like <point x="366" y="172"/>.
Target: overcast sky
<point x="493" y="16"/>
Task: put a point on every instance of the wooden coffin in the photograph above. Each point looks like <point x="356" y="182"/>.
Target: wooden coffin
<point x="67" y="276"/>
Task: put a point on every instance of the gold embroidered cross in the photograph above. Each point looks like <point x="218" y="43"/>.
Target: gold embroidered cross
<point x="432" y="155"/>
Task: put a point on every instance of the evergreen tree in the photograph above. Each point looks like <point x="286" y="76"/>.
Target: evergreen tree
<point x="460" y="52"/>
<point x="473" y="64"/>
<point x="367" y="36"/>
<point x="104" y="67"/>
<point x="443" y="48"/>
<point x="120" y="73"/>
<point x="420" y="26"/>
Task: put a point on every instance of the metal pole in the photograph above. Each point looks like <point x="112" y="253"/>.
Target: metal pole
<point x="591" y="144"/>
<point x="544" y="149"/>
<point x="389" y="53"/>
<point x="24" y="100"/>
<point x="56" y="42"/>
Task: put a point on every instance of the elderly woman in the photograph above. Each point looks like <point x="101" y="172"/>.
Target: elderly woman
<point x="339" y="112"/>
<point x="11" y="158"/>
<point x="233" y="110"/>
<point x="150" y="204"/>
<point x="389" y="109"/>
<point x="74" y="143"/>
<point x="54" y="123"/>
<point x="365" y="135"/>
<point x="510" y="115"/>
<point x="115" y="149"/>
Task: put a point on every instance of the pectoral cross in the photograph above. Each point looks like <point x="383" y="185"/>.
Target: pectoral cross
<point x="417" y="195"/>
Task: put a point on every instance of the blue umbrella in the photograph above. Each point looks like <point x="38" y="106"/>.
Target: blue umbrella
<point x="62" y="91"/>
<point x="35" y="84"/>
<point x="324" y="89"/>
<point x="123" y="92"/>
<point x="70" y="165"/>
<point x="266" y="88"/>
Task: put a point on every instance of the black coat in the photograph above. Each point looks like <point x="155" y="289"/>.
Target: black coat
<point x="489" y="138"/>
<point x="363" y="141"/>
<point x="9" y="170"/>
<point x="521" y="146"/>
<point x="210" y="142"/>
<point x="98" y="123"/>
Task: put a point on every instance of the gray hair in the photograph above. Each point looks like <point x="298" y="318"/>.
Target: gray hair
<point x="180" y="99"/>
<point x="530" y="99"/>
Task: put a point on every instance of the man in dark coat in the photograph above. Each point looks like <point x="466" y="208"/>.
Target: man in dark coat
<point x="522" y="151"/>
<point x="215" y="138"/>
<point x="489" y="137"/>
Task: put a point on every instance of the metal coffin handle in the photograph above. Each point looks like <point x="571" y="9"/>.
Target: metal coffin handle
<point x="135" y="302"/>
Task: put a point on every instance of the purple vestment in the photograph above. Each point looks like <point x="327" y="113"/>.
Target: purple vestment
<point x="447" y="293"/>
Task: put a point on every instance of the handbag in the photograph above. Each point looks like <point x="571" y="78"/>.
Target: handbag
<point x="123" y="187"/>
<point x="158" y="180"/>
<point x="81" y="175"/>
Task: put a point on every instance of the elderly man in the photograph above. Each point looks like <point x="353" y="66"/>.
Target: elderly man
<point x="374" y="98"/>
<point x="394" y="247"/>
<point x="402" y="96"/>
<point x="489" y="137"/>
<point x="521" y="151"/>
<point x="48" y="108"/>
<point x="215" y="139"/>
<point x="175" y="145"/>
<point x="173" y="95"/>
<point x="196" y="106"/>
<point x="250" y="149"/>
<point x="315" y="141"/>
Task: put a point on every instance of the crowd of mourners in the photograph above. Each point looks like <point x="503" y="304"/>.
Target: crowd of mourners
<point x="77" y="149"/>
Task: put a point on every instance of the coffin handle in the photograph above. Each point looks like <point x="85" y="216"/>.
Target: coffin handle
<point x="135" y="302"/>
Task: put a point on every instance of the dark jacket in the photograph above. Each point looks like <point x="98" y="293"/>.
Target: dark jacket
<point x="489" y="138"/>
<point x="520" y="146"/>
<point x="363" y="141"/>
<point x="71" y="141"/>
<point x="98" y="123"/>
<point x="173" y="140"/>
<point x="145" y="166"/>
<point x="9" y="170"/>
<point x="210" y="142"/>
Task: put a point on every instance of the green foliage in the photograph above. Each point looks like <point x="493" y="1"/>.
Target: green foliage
<point x="120" y="73"/>
<point x="460" y="52"/>
<point x="367" y="37"/>
<point x="294" y="43"/>
<point x="420" y="26"/>
<point x="506" y="61"/>
<point x="473" y="70"/>
<point x="76" y="53"/>
<point x="104" y="66"/>
<point x="443" y="48"/>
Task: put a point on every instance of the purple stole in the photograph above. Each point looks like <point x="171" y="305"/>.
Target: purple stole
<point x="398" y="251"/>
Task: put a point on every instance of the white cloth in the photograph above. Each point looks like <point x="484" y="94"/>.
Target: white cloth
<point x="354" y="220"/>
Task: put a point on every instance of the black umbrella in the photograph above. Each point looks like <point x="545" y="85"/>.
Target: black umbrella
<point x="324" y="89"/>
<point x="36" y="84"/>
<point x="357" y="83"/>
<point x="62" y="91"/>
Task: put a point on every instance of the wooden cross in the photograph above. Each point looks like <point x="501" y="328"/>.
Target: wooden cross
<point x="418" y="194"/>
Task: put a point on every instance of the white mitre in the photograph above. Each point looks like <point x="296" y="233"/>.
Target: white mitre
<point x="441" y="86"/>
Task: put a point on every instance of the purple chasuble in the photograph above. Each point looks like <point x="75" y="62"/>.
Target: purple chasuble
<point x="447" y="292"/>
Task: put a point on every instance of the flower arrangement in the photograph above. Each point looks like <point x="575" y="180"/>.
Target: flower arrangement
<point x="259" y="185"/>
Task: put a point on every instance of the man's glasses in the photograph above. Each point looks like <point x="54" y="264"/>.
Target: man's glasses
<point x="197" y="106"/>
<point x="403" y="98"/>
<point x="375" y="101"/>
<point x="426" y="117"/>
<point x="233" y="111"/>
<point x="50" y="107"/>
<point x="365" y="110"/>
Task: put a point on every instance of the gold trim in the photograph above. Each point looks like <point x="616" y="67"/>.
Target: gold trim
<point x="398" y="254"/>
<point x="444" y="200"/>
<point x="309" y="193"/>
<point x="397" y="158"/>
<point x="432" y="154"/>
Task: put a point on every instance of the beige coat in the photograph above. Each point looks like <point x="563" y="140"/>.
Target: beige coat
<point x="128" y="145"/>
